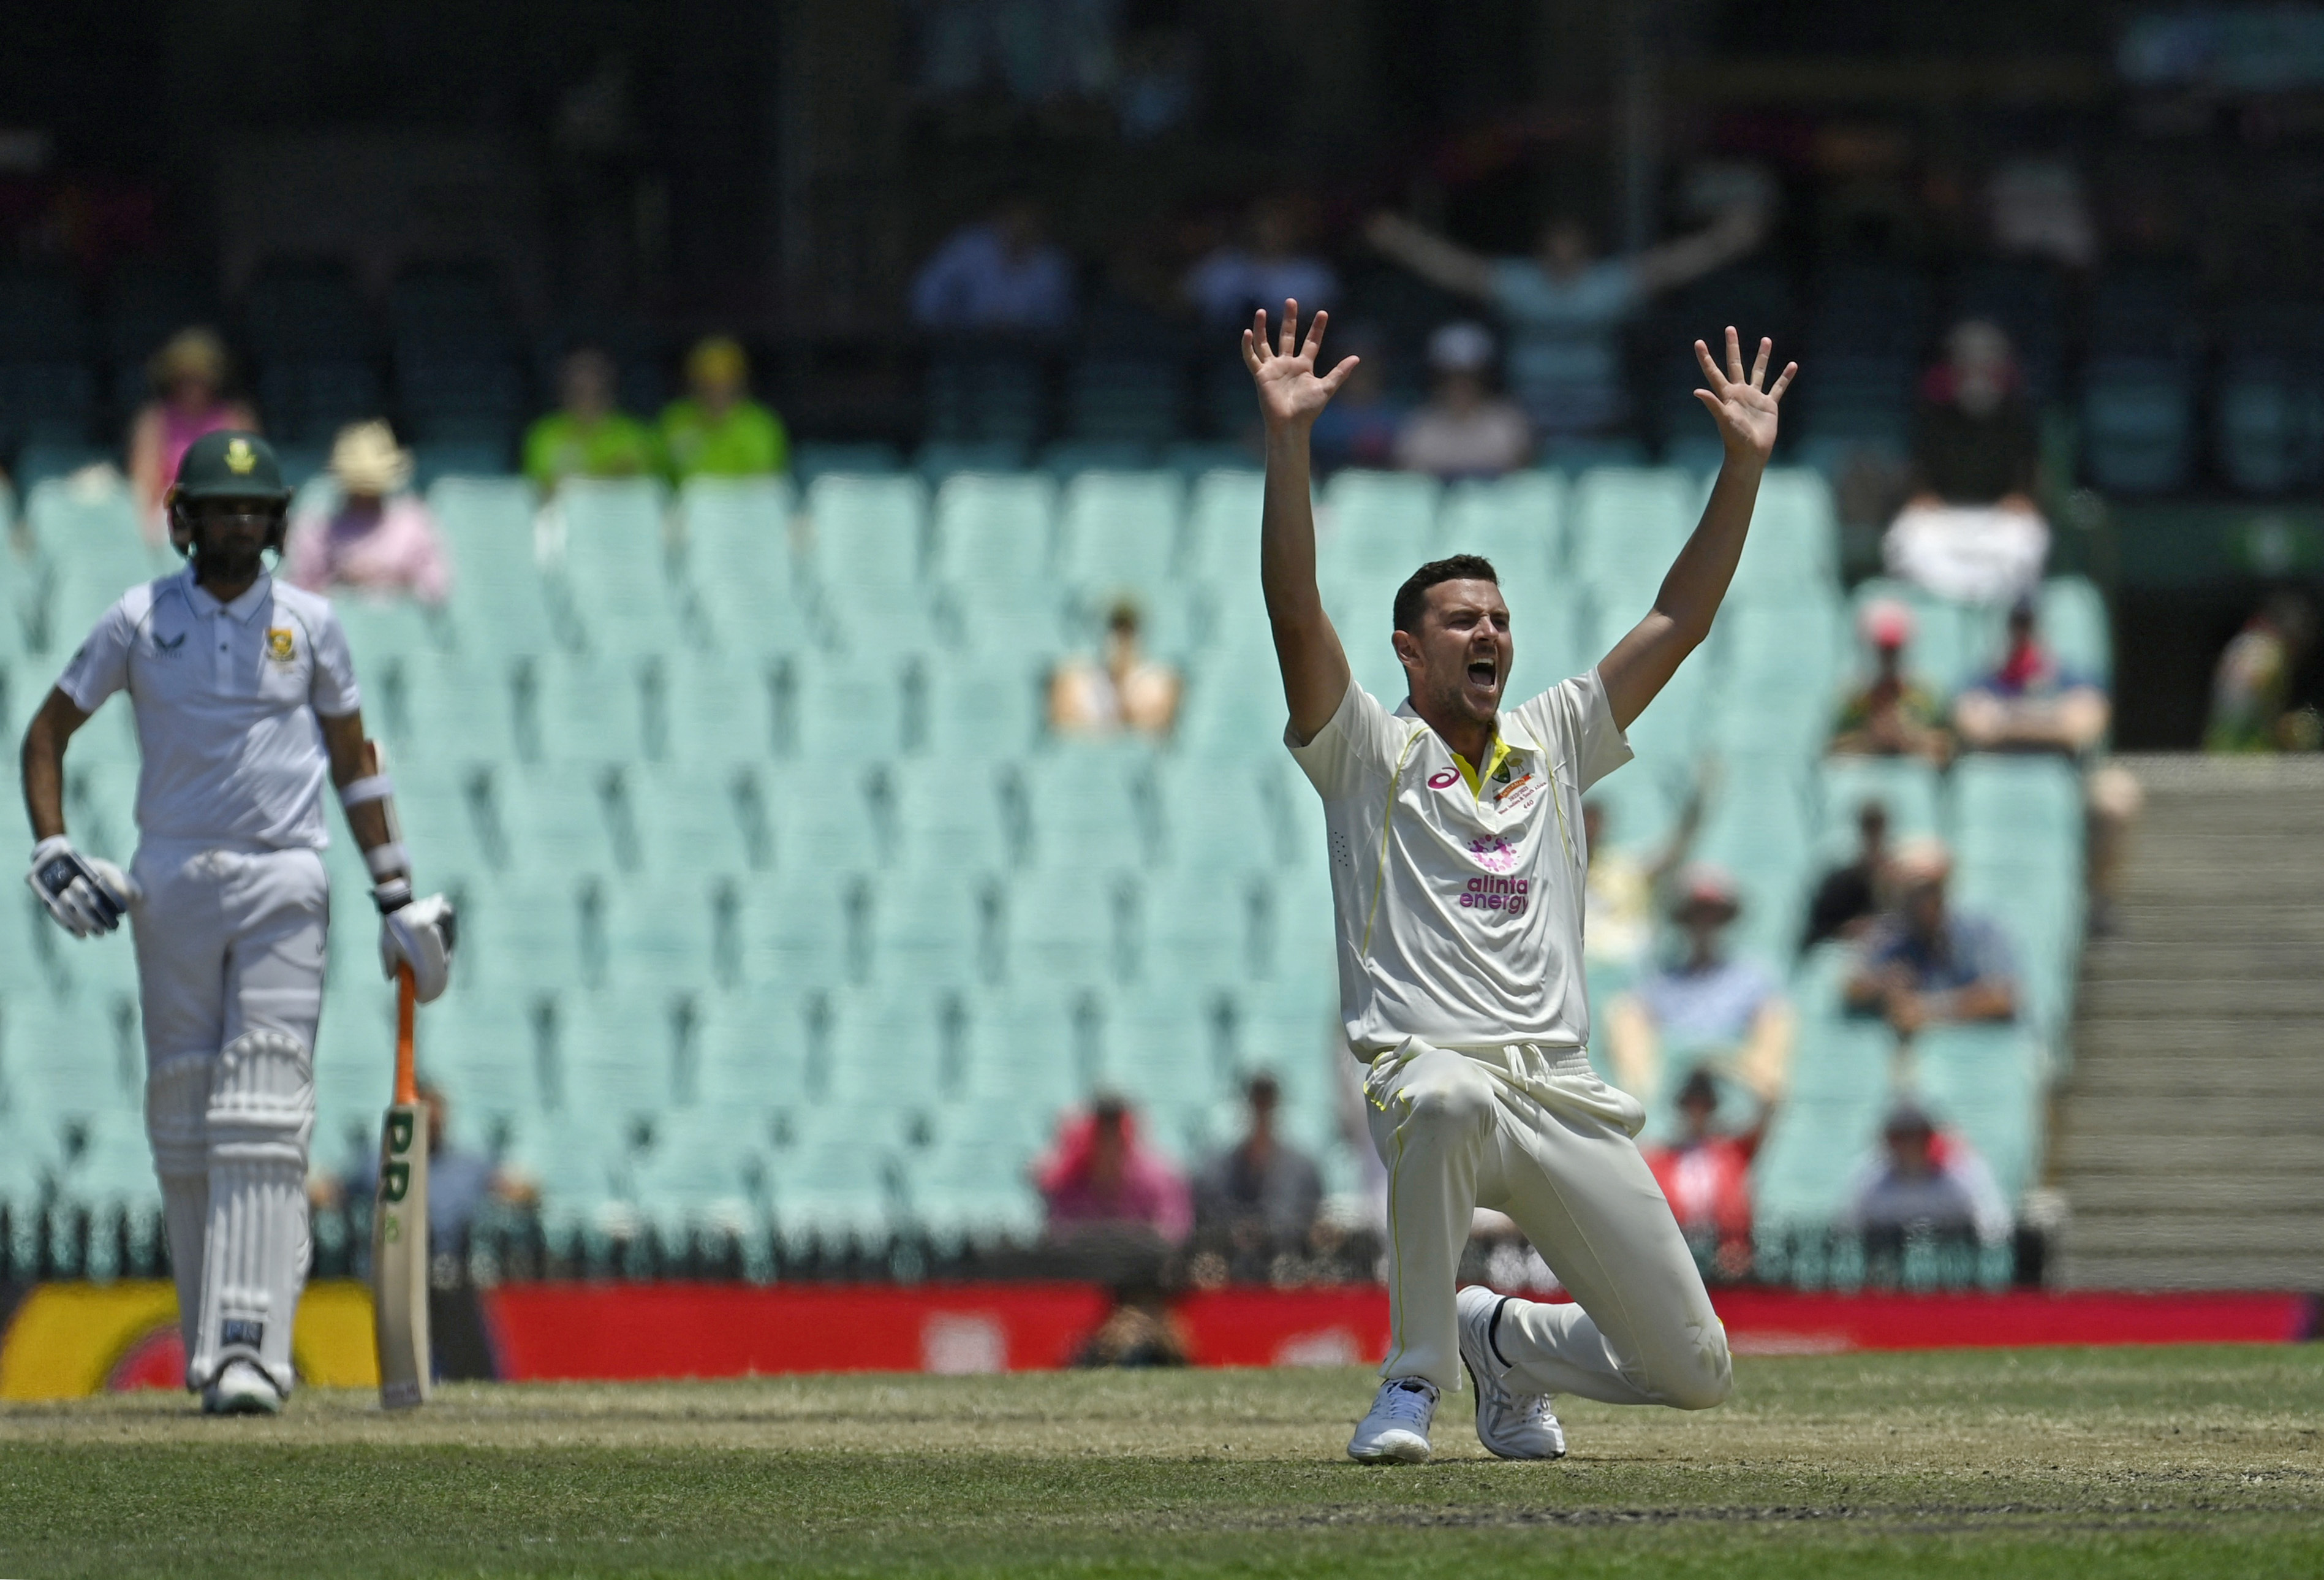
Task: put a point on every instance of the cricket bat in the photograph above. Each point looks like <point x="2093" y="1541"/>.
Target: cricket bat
<point x="399" y="1226"/>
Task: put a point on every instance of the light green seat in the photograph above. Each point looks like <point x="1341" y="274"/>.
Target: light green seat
<point x="614" y="565"/>
<point x="1120" y="531"/>
<point x="994" y="532"/>
<point x="796" y="929"/>
<point x="949" y="933"/>
<point x="2073" y="621"/>
<point x="1071" y="925"/>
<point x="737" y="557"/>
<point x="487" y="524"/>
<point x="1084" y="804"/>
<point x="849" y="707"/>
<point x="1517" y="522"/>
<point x="696" y="1178"/>
<point x="866" y="534"/>
<point x="972" y="1184"/>
<point x="834" y="1183"/>
<point x="2015" y="807"/>
<point x="1377" y="524"/>
<point x="1626" y="526"/>
<point x="1794" y="548"/>
<point x="1222" y="528"/>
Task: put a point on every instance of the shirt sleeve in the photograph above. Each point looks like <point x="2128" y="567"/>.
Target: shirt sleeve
<point x="1521" y="292"/>
<point x="1576" y="723"/>
<point x="101" y="666"/>
<point x="1986" y="950"/>
<point x="1362" y="740"/>
<point x="333" y="693"/>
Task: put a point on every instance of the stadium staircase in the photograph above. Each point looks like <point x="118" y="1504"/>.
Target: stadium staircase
<point x="2188" y="1149"/>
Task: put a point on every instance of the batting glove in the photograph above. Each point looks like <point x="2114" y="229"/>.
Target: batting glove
<point x="417" y="933"/>
<point x="86" y="894"/>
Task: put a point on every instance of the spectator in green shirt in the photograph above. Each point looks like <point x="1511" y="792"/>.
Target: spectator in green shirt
<point x="718" y="431"/>
<point x="587" y="436"/>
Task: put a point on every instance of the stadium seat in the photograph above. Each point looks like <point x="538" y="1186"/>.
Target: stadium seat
<point x="1118" y="532"/>
<point x="1626" y="526"/>
<point x="1376" y="525"/>
<point x="1906" y="786"/>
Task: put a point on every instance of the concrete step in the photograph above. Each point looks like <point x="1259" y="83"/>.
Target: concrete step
<point x="2270" y="1191"/>
<point x="2184" y="1272"/>
<point x="2193" y="1040"/>
<point x="2231" y="1119"/>
<point x="2286" y="1234"/>
<point x="2291" y="920"/>
<point x="2168" y="1152"/>
<point x="2144" y="959"/>
<point x="2227" y="1001"/>
<point x="2158" y="1079"/>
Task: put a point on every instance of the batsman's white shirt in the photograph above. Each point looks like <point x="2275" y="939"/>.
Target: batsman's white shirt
<point x="1458" y="895"/>
<point x="227" y="698"/>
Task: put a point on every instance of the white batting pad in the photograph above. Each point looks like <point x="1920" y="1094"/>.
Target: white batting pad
<point x="261" y="1111"/>
<point x="177" y="1123"/>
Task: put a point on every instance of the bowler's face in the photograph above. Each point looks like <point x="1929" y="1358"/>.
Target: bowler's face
<point x="1459" y="660"/>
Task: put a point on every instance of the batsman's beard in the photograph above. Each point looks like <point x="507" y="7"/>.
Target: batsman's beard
<point x="227" y="562"/>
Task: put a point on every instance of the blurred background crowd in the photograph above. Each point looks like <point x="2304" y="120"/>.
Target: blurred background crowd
<point x="2049" y="269"/>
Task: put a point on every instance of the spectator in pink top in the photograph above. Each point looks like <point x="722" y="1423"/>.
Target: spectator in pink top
<point x="190" y="375"/>
<point x="1098" y="1177"/>
<point x="379" y="537"/>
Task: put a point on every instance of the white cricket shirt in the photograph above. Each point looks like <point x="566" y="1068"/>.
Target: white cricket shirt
<point x="1459" y="900"/>
<point x="228" y="697"/>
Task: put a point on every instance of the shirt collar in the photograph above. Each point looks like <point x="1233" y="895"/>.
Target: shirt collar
<point x="1494" y="758"/>
<point x="205" y="602"/>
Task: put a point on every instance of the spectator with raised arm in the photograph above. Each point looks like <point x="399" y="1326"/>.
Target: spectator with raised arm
<point x="1565" y="306"/>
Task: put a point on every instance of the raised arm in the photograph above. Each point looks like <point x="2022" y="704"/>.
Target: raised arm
<point x="1429" y="255"/>
<point x="1290" y="398"/>
<point x="1643" y="662"/>
<point x="1725" y="239"/>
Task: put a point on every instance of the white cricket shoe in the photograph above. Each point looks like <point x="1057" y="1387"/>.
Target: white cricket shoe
<point x="1396" y="1431"/>
<point x="1515" y="1426"/>
<point x="240" y="1389"/>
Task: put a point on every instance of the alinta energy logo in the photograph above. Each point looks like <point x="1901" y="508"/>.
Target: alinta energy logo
<point x="1496" y="891"/>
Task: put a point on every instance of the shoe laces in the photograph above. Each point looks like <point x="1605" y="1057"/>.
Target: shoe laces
<point x="1408" y="1398"/>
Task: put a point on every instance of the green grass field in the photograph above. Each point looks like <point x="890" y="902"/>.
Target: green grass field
<point x="2164" y="1462"/>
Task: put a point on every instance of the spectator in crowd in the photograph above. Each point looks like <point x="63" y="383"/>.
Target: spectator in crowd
<point x="460" y="1182"/>
<point x="1893" y="715"/>
<point x="1360" y="427"/>
<point x="1970" y="529"/>
<point x="1464" y="431"/>
<point x="1926" y="962"/>
<point x="717" y="430"/>
<point x="1099" y="1178"/>
<point x="1258" y="1197"/>
<point x="1707" y="1004"/>
<point x="1564" y="307"/>
<point x="1923" y="1181"/>
<point x="1000" y="274"/>
<point x="2252" y="688"/>
<point x="378" y="537"/>
<point x="189" y="375"/>
<point x="588" y="436"/>
<point x="1706" y="1174"/>
<point x="1848" y="898"/>
<point x="2030" y="702"/>
<point x="1272" y="262"/>
<point x="1121" y="690"/>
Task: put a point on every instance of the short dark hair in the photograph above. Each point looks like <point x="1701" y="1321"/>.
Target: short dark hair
<point x="1412" y="597"/>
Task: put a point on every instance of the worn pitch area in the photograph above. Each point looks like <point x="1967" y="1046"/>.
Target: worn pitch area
<point x="2164" y="1462"/>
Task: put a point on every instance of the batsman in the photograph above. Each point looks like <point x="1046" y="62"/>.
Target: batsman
<point x="245" y="702"/>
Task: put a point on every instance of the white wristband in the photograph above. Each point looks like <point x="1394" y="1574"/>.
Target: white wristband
<point x="375" y="787"/>
<point x="386" y="861"/>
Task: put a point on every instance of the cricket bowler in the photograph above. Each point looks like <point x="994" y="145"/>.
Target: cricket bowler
<point x="1457" y="859"/>
<point x="245" y="702"/>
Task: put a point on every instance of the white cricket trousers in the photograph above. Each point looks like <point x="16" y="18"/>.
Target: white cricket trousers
<point x="1532" y="1132"/>
<point x="231" y="945"/>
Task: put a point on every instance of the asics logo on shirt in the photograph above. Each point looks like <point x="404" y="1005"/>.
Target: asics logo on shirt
<point x="1444" y="778"/>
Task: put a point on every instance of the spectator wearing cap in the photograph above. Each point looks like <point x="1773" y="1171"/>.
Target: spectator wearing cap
<point x="1099" y="1178"/>
<point x="1259" y="1197"/>
<point x="1971" y="530"/>
<point x="189" y="375"/>
<point x="1848" y="898"/>
<point x="1464" y="431"/>
<point x="1706" y="1174"/>
<point x="1926" y="961"/>
<point x="1707" y="1002"/>
<point x="378" y="537"/>
<point x="996" y="275"/>
<point x="1892" y="715"/>
<point x="716" y="429"/>
<point x="1923" y="1181"/>
<point x="588" y="436"/>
